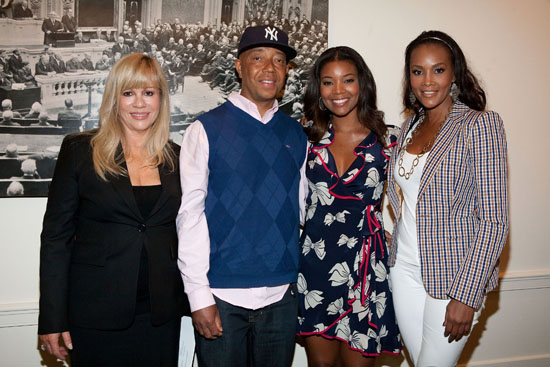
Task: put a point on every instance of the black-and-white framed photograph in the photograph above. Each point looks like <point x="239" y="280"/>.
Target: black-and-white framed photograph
<point x="56" y="54"/>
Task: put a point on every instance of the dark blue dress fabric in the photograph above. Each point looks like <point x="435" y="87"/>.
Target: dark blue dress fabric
<point x="343" y="280"/>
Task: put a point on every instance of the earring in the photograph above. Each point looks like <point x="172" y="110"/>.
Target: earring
<point x="455" y="92"/>
<point x="412" y="98"/>
<point x="321" y="104"/>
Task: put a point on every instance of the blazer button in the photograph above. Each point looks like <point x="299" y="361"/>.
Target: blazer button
<point x="141" y="227"/>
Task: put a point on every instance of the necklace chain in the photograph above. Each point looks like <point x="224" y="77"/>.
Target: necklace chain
<point x="401" y="170"/>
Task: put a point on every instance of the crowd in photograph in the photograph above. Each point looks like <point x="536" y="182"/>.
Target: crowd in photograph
<point x="204" y="51"/>
<point x="196" y="49"/>
<point x="14" y="70"/>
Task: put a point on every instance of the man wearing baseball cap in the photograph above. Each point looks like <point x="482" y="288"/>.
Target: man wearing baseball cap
<point x="243" y="180"/>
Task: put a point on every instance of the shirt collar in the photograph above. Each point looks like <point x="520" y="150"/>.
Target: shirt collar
<point x="243" y="103"/>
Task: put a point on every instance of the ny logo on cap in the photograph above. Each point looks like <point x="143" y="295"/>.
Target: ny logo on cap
<point x="272" y="33"/>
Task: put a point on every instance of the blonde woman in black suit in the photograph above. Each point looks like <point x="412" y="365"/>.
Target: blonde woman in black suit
<point x="110" y="287"/>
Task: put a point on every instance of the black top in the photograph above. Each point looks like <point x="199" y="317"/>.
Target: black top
<point x="146" y="198"/>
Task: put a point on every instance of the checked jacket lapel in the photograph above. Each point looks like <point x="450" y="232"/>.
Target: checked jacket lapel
<point x="394" y="192"/>
<point x="443" y="144"/>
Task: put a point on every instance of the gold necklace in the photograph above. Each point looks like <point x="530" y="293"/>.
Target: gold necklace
<point x="416" y="160"/>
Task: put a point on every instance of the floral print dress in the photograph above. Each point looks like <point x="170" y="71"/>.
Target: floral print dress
<point x="343" y="279"/>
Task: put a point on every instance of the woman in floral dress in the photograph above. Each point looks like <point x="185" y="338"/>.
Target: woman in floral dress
<point x="345" y="306"/>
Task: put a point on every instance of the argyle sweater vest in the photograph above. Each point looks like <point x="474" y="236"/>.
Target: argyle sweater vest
<point x="252" y="207"/>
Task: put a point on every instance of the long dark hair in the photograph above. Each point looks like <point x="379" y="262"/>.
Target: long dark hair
<point x="471" y="92"/>
<point x="368" y="113"/>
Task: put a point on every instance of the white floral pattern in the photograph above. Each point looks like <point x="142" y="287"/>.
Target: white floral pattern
<point x="339" y="217"/>
<point x="311" y="298"/>
<point x="350" y="174"/>
<point x="340" y="274"/>
<point x="318" y="247"/>
<point x="319" y="192"/>
<point x="343" y="280"/>
<point x="336" y="307"/>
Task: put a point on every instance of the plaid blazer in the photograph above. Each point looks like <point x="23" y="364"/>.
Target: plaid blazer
<point x="462" y="206"/>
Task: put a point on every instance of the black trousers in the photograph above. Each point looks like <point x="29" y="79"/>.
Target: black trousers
<point x="140" y="345"/>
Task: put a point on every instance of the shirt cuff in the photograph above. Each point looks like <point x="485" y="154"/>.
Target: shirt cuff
<point x="201" y="298"/>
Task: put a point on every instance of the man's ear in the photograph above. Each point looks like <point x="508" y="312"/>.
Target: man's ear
<point x="238" y="67"/>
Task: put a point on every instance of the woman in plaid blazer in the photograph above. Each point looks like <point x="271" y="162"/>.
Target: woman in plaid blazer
<point x="447" y="186"/>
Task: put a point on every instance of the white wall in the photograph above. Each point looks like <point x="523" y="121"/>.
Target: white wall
<point x="507" y="45"/>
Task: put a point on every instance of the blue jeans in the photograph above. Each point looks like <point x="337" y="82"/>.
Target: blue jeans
<point x="252" y="338"/>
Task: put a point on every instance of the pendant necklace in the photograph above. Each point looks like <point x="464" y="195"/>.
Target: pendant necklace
<point x="401" y="170"/>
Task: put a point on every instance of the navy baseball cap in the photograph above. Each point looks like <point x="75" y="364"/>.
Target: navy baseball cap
<point x="266" y="35"/>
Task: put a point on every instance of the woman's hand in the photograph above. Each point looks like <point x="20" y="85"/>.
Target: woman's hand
<point x="52" y="346"/>
<point x="458" y="320"/>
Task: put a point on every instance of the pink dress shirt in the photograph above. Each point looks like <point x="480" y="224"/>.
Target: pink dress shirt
<point x="194" y="240"/>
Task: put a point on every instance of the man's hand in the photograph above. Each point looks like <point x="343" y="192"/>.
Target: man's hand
<point x="51" y="342"/>
<point x="458" y="320"/>
<point x="207" y="322"/>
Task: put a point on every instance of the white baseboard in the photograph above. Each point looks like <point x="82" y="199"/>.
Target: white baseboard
<point x="22" y="319"/>
<point x="524" y="280"/>
<point x="542" y="360"/>
<point x="18" y="314"/>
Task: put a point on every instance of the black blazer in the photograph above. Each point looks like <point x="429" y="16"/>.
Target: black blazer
<point x="48" y="25"/>
<point x="69" y="23"/>
<point x="123" y="50"/>
<point x="92" y="237"/>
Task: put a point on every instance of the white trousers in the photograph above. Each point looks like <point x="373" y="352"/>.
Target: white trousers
<point x="420" y="318"/>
